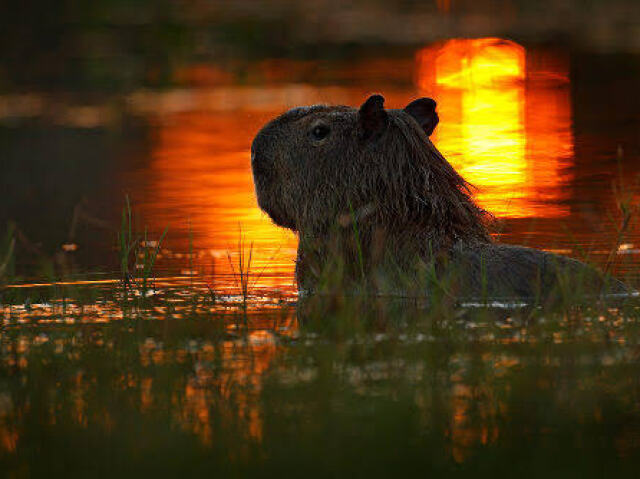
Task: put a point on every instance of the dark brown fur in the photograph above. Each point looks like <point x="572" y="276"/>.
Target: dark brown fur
<point x="368" y="193"/>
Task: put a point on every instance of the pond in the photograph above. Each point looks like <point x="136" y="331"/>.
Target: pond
<point x="205" y="370"/>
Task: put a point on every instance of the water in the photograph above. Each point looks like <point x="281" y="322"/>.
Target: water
<point x="200" y="378"/>
<point x="373" y="390"/>
<point x="540" y="133"/>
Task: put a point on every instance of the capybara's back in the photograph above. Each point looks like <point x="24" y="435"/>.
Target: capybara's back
<point x="494" y="270"/>
<point x="374" y="204"/>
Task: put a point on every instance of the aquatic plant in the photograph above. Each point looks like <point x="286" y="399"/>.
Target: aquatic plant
<point x="133" y="248"/>
<point x="7" y="249"/>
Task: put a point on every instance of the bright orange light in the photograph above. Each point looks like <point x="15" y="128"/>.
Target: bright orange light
<point x="201" y="174"/>
<point x="487" y="130"/>
<point x="444" y="5"/>
<point x="479" y="63"/>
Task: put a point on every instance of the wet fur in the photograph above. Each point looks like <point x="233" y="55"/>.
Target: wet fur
<point x="375" y="199"/>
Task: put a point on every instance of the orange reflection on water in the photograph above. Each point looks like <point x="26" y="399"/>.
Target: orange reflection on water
<point x="201" y="174"/>
<point x="503" y="125"/>
<point x="444" y="5"/>
<point x="226" y="378"/>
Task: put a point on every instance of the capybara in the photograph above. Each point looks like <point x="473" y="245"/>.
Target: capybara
<point x="375" y="204"/>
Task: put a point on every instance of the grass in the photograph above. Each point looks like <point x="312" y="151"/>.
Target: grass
<point x="137" y="256"/>
<point x="7" y="253"/>
<point x="136" y="276"/>
<point x="241" y="270"/>
<point x="628" y="210"/>
<point x="357" y="240"/>
<point x="192" y="381"/>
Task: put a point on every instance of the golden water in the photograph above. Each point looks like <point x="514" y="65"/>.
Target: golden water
<point x="506" y="124"/>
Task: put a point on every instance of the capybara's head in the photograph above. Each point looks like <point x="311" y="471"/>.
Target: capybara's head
<point x="313" y="165"/>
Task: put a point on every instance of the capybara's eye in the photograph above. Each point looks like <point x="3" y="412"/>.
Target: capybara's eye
<point x="319" y="132"/>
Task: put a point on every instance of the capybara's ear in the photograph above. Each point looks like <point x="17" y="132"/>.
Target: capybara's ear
<point x="372" y="116"/>
<point x="423" y="110"/>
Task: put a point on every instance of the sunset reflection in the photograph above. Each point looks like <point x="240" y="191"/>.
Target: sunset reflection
<point x="202" y="177"/>
<point x="504" y="124"/>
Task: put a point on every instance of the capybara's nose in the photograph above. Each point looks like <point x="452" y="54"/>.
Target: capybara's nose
<point x="256" y="146"/>
<point x="260" y="144"/>
<point x="260" y="158"/>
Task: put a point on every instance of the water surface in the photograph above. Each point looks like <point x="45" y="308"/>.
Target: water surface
<point x="195" y="377"/>
<point x="541" y="133"/>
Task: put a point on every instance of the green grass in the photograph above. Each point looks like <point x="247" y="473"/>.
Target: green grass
<point x="241" y="267"/>
<point x="190" y="381"/>
<point x="7" y="258"/>
<point x="132" y="247"/>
